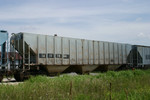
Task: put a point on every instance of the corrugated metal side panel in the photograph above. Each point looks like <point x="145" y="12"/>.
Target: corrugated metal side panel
<point x="85" y="52"/>
<point x="128" y="49"/>
<point x="91" y="52"/>
<point x="128" y="52"/>
<point x="120" y="53"/>
<point x="50" y="50"/>
<point x="106" y="54"/>
<point x="143" y="57"/>
<point x="79" y="52"/>
<point x="58" y="53"/>
<point x="116" y="59"/>
<point x="41" y="49"/>
<point x="124" y="53"/>
<point x="101" y="52"/>
<point x="111" y="52"/>
<point x="140" y="51"/>
<point x="96" y="54"/>
<point x="31" y="39"/>
<point x="72" y="51"/>
<point x="146" y="55"/>
<point x="66" y="54"/>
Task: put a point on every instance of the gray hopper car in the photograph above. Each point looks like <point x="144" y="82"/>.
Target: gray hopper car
<point x="60" y="54"/>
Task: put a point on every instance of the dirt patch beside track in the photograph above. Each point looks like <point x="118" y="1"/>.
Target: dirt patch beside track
<point x="9" y="82"/>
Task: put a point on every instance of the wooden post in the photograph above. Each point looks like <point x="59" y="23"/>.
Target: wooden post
<point x="126" y="92"/>
<point x="70" y="93"/>
<point x="110" y="92"/>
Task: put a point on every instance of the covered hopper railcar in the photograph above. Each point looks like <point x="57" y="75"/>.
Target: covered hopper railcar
<point x="54" y="54"/>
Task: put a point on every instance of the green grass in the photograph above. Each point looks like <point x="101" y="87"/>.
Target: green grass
<point x="125" y="85"/>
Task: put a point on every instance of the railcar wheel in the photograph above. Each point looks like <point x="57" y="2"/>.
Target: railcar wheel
<point x="9" y="75"/>
<point x="26" y="75"/>
<point x="1" y="78"/>
<point x="19" y="76"/>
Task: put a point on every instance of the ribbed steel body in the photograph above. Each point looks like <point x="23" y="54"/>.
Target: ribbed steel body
<point x="55" y="50"/>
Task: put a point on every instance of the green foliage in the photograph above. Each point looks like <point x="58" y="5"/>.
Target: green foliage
<point x="130" y="84"/>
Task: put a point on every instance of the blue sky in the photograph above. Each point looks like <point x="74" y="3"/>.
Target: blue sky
<point x="125" y="21"/>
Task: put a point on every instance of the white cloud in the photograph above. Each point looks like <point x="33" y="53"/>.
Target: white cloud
<point x="141" y="35"/>
<point x="138" y="19"/>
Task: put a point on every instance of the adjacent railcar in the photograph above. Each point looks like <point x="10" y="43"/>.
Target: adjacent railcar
<point x="141" y="56"/>
<point x="4" y="55"/>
